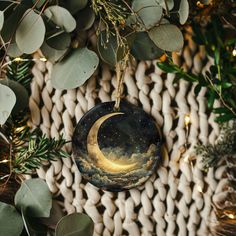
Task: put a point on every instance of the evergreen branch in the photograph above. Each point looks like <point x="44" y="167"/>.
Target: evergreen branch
<point x="225" y="147"/>
<point x="30" y="148"/>
<point x="38" y="149"/>
<point x="21" y="72"/>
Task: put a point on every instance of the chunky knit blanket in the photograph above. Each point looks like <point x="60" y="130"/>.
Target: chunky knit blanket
<point x="177" y="199"/>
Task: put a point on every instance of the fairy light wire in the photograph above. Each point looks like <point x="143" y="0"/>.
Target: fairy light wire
<point x="19" y="59"/>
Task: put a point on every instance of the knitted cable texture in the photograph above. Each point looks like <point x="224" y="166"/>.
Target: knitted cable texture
<point x="176" y="200"/>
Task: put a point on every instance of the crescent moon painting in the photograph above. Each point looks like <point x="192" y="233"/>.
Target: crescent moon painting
<point x="116" y="150"/>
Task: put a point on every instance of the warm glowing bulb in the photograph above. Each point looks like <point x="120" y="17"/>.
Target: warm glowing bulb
<point x="199" y="189"/>
<point x="186" y="159"/>
<point x="186" y="120"/>
<point x="199" y="4"/>
<point x="18" y="59"/>
<point x="4" y="161"/>
<point x="234" y="52"/>
<point x="43" y="59"/>
<point x="19" y="129"/>
<point x="231" y="216"/>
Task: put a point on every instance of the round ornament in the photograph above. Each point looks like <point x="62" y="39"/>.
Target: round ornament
<point x="116" y="149"/>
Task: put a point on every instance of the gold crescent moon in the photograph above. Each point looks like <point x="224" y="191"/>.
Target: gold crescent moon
<point x="96" y="154"/>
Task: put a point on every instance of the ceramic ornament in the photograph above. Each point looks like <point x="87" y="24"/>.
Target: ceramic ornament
<point x="116" y="149"/>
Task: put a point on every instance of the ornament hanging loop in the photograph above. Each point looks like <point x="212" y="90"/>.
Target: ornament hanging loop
<point x="120" y="78"/>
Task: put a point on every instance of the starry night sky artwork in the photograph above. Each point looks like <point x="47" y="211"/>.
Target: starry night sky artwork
<point x="116" y="150"/>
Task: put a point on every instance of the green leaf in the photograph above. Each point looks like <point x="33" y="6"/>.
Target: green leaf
<point x="225" y="118"/>
<point x="1" y="19"/>
<point x="76" y="224"/>
<point x="11" y="23"/>
<point x="211" y="98"/>
<point x="75" y="69"/>
<point x="149" y="13"/>
<point x="7" y="102"/>
<point x="226" y="85"/>
<point x="34" y="198"/>
<point x="52" y="54"/>
<point x="61" y="17"/>
<point x="183" y="11"/>
<point x="13" y="50"/>
<point x="220" y="110"/>
<point x="22" y="97"/>
<point x="60" y="41"/>
<point x="167" y="37"/>
<point x="109" y="50"/>
<point x="197" y="89"/>
<point x="75" y="5"/>
<point x="39" y="3"/>
<point x="169" y="3"/>
<point x="55" y="215"/>
<point x="11" y="223"/>
<point x="143" y="47"/>
<point x="33" y="226"/>
<point x="167" y="67"/>
<point x="85" y="18"/>
<point x="30" y="32"/>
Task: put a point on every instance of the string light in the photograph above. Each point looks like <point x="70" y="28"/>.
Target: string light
<point x="199" y="4"/>
<point x="234" y="52"/>
<point x="187" y="120"/>
<point x="231" y="216"/>
<point x="199" y="189"/>
<point x="186" y="123"/>
<point x="186" y="159"/>
<point x="4" y="161"/>
<point x="43" y="59"/>
<point x="19" y="59"/>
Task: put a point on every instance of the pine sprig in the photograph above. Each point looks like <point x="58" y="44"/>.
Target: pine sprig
<point x="25" y="149"/>
<point x="38" y="149"/>
<point x="21" y="71"/>
<point x="29" y="149"/>
<point x="225" y="147"/>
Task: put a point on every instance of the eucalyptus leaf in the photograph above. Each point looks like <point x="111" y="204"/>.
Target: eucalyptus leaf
<point x="1" y="19"/>
<point x="75" y="5"/>
<point x="13" y="50"/>
<point x="60" y="41"/>
<point x="167" y="37"/>
<point x="55" y="216"/>
<point x="11" y="223"/>
<point x="11" y="22"/>
<point x="183" y="11"/>
<point x="33" y="226"/>
<point x="85" y="18"/>
<point x="34" y="198"/>
<point x="30" y="32"/>
<point x="76" y="224"/>
<point x="7" y="102"/>
<point x="52" y="54"/>
<point x="74" y="70"/>
<point x="22" y="97"/>
<point x="166" y="4"/>
<point x="61" y="17"/>
<point x="39" y="3"/>
<point x="108" y="49"/>
<point x="143" y="47"/>
<point x="148" y="12"/>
